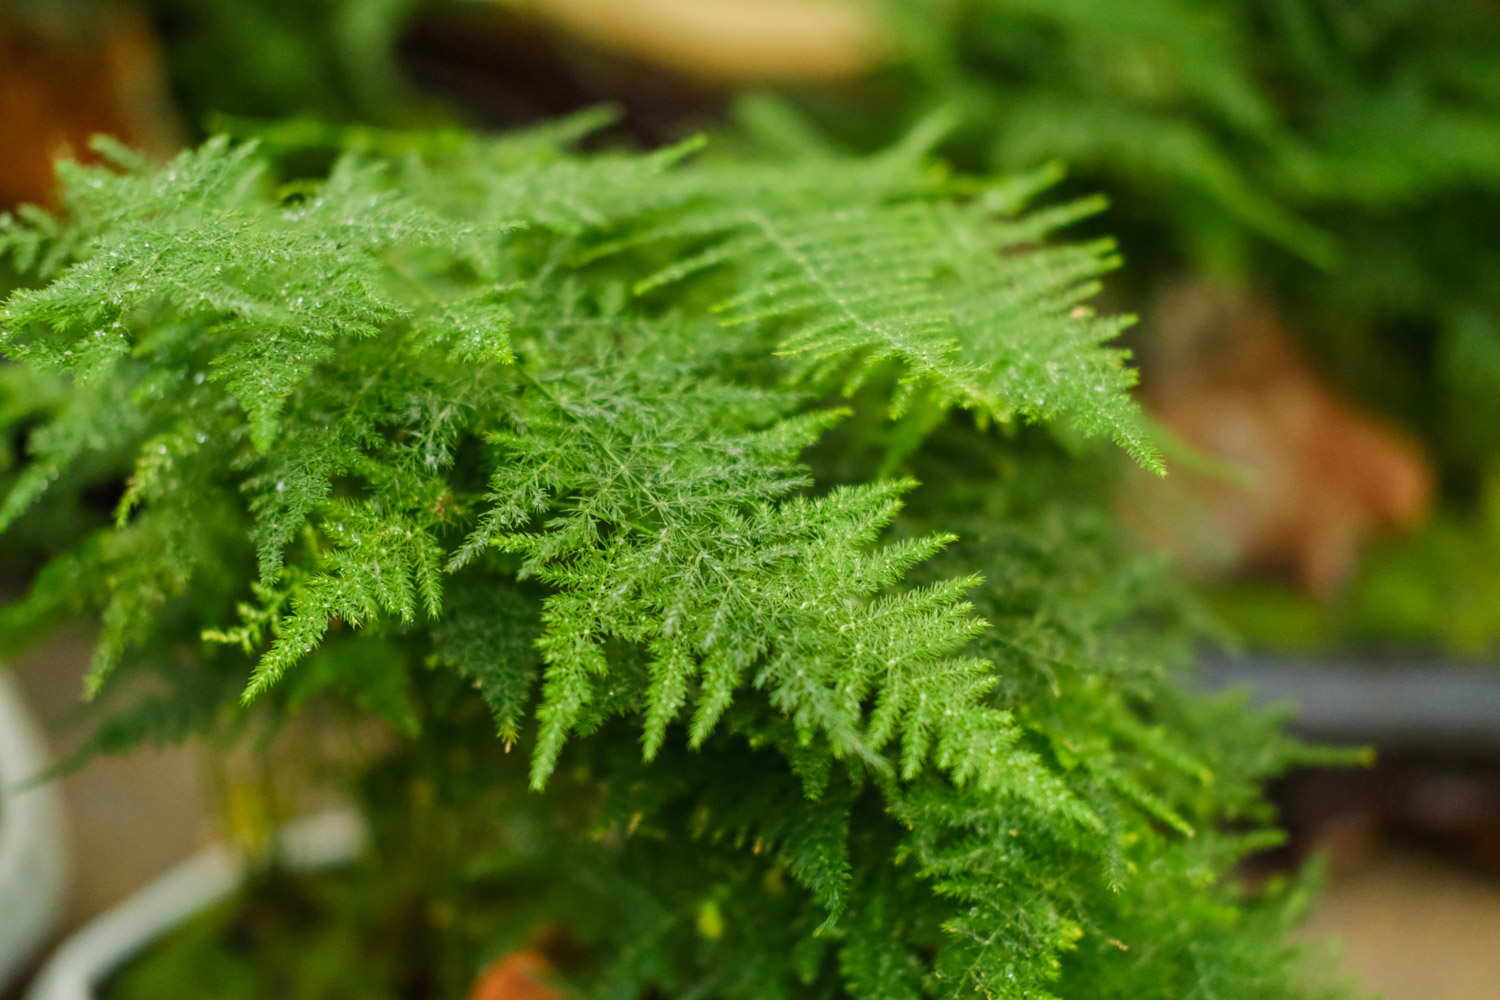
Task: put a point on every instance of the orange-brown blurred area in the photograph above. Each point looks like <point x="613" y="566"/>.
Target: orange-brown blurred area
<point x="62" y="84"/>
<point x="1319" y="476"/>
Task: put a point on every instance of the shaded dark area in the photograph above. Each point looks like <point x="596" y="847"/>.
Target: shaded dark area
<point x="504" y="71"/>
<point x="1446" y="806"/>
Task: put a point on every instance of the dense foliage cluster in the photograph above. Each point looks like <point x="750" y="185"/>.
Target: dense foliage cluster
<point x="1330" y="157"/>
<point x="1333" y="158"/>
<point x="1360" y="137"/>
<point x="707" y="484"/>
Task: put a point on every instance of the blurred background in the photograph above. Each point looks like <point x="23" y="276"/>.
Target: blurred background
<point x="1307" y="196"/>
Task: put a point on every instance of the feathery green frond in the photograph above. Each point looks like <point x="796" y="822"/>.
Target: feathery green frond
<point x="491" y="437"/>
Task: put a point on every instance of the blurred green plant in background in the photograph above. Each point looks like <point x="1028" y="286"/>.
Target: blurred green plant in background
<point x="1341" y="159"/>
<point x="333" y="60"/>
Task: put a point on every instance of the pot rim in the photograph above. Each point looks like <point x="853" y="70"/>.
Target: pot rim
<point x="33" y="856"/>
<point x="83" y="962"/>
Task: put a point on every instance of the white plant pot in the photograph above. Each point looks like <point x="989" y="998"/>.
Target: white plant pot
<point x="33" y="858"/>
<point x="85" y="961"/>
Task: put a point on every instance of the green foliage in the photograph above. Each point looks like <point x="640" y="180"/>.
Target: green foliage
<point x="1270" y="113"/>
<point x="705" y="481"/>
<point x="1247" y="140"/>
<point x="1239" y="138"/>
<point x="330" y="59"/>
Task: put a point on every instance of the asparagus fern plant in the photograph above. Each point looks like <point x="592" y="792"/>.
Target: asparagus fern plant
<point x="756" y="504"/>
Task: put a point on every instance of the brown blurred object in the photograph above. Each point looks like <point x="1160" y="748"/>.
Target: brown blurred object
<point x="518" y="976"/>
<point x="1324" y="475"/>
<point x="57" y="90"/>
<point x="727" y="41"/>
<point x="507" y="70"/>
<point x="1450" y="807"/>
<point x="1411" y="851"/>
